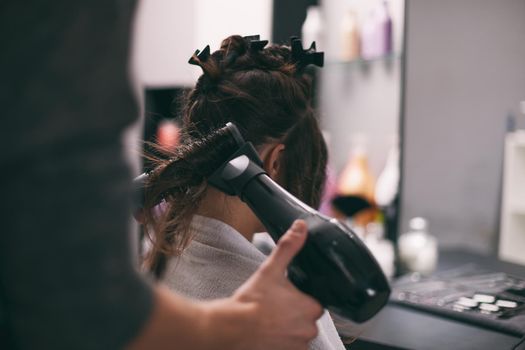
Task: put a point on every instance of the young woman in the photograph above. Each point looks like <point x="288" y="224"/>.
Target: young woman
<point x="201" y="239"/>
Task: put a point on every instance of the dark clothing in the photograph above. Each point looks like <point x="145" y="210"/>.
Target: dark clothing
<point x="67" y="279"/>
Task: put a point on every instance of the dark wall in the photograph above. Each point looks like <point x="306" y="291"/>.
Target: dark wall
<point x="288" y="18"/>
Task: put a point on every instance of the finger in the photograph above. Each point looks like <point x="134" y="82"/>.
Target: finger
<point x="317" y="311"/>
<point x="312" y="308"/>
<point x="306" y="329"/>
<point x="311" y="332"/>
<point x="287" y="247"/>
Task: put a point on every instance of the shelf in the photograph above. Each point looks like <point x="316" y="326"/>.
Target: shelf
<point x="512" y="229"/>
<point x="365" y="61"/>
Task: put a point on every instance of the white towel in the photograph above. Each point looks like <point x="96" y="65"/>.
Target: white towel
<point x="218" y="261"/>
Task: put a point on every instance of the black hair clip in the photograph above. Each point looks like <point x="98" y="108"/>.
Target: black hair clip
<point x="258" y="45"/>
<point x="255" y="43"/>
<point x="202" y="56"/>
<point x="305" y="57"/>
<point x="252" y="37"/>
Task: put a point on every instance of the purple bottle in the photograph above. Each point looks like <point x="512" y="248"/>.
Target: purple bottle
<point x="385" y="28"/>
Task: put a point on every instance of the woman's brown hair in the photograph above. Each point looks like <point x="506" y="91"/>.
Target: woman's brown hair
<point x="266" y="94"/>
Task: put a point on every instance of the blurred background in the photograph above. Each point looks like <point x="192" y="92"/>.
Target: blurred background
<point x="420" y="101"/>
<point x="422" y="106"/>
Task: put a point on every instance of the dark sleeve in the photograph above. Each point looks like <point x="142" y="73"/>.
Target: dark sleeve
<point x="66" y="270"/>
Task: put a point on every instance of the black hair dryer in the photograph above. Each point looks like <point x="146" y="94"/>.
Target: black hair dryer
<point x="334" y="266"/>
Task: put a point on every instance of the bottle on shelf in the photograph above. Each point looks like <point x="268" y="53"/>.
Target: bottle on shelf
<point x="418" y="249"/>
<point x="356" y="179"/>
<point x="356" y="186"/>
<point x="512" y="224"/>
<point x="388" y="181"/>
<point x="350" y="38"/>
<point x="382" y="249"/>
<point x="369" y="45"/>
<point x="387" y="188"/>
<point x="312" y="29"/>
<point x="376" y="38"/>
<point x="168" y="134"/>
<point x="384" y="29"/>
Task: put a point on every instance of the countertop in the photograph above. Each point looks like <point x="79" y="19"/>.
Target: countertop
<point x="399" y="327"/>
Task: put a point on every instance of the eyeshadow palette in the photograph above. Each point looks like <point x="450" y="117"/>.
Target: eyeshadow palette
<point x="493" y="300"/>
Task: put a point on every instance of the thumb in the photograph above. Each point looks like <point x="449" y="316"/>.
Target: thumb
<point x="287" y="247"/>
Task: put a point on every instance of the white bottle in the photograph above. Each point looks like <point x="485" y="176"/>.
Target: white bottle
<point x="388" y="181"/>
<point x="381" y="248"/>
<point x="312" y="28"/>
<point x="369" y="37"/>
<point x="418" y="250"/>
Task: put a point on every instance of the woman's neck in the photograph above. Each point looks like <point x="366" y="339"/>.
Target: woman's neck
<point x="230" y="210"/>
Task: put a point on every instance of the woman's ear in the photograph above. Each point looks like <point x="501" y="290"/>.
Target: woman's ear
<point x="272" y="159"/>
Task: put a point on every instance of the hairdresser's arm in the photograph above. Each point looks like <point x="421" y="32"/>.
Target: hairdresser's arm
<point x="267" y="312"/>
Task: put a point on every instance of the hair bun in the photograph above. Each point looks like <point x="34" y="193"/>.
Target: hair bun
<point x="234" y="43"/>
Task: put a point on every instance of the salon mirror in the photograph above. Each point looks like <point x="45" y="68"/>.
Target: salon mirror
<point x="463" y="156"/>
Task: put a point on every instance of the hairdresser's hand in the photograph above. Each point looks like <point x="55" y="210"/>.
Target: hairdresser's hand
<point x="271" y="312"/>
